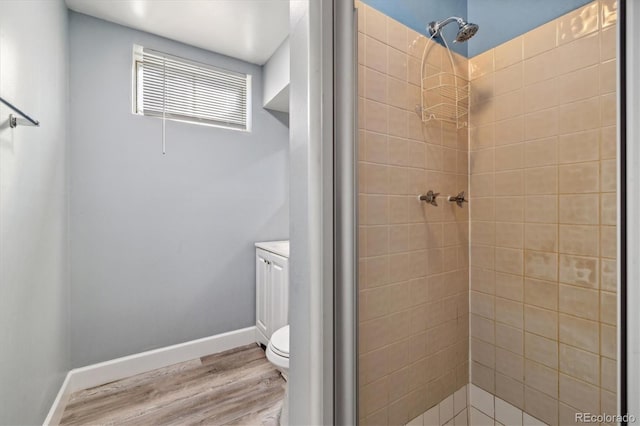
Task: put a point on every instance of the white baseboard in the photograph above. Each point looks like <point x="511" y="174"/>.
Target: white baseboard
<point x="120" y="368"/>
<point x="57" y="409"/>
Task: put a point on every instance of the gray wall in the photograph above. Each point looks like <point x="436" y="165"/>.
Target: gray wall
<point x="162" y="245"/>
<point x="34" y="290"/>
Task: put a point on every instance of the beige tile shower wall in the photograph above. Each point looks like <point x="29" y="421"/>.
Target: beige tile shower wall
<point x="543" y="217"/>
<point x="413" y="282"/>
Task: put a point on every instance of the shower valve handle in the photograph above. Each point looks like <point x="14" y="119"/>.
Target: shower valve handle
<point x="458" y="199"/>
<point x="430" y="198"/>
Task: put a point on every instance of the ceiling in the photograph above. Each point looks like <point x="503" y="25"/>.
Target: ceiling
<point x="250" y="30"/>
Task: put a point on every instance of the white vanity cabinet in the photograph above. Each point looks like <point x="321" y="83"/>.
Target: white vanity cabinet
<point x="272" y="288"/>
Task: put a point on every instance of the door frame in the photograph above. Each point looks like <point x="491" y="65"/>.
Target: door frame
<point x="629" y="193"/>
<point x="345" y="240"/>
<point x="315" y="224"/>
<point x="346" y="213"/>
<point x="345" y="252"/>
<point x="323" y="260"/>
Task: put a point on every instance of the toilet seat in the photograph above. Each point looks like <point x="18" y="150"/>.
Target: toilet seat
<point x="280" y="341"/>
<point x="278" y="349"/>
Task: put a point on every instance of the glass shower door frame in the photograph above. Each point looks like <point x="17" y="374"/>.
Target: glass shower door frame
<point x="629" y="193"/>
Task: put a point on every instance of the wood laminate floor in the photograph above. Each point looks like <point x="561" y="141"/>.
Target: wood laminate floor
<point x="236" y="387"/>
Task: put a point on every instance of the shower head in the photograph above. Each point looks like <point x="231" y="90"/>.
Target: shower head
<point x="466" y="30"/>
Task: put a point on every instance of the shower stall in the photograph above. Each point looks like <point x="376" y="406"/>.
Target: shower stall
<point x="487" y="219"/>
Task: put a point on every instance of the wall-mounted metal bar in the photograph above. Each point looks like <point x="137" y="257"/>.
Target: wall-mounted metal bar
<point x="14" y="121"/>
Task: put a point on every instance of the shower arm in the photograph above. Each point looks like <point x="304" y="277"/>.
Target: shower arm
<point x="436" y="27"/>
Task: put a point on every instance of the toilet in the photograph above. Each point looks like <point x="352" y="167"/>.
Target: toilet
<point x="278" y="355"/>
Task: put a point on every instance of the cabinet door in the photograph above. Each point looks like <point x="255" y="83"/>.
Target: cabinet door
<point x="279" y="289"/>
<point x="262" y="293"/>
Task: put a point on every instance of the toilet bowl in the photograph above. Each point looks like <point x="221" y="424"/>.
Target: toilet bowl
<point x="278" y="350"/>
<point x="278" y="355"/>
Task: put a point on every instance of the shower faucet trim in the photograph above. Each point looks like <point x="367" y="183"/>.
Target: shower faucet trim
<point x="430" y="198"/>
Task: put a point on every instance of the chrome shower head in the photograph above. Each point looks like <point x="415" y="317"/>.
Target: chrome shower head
<point x="466" y="30"/>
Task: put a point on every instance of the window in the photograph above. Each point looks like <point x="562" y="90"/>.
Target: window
<point x="178" y="89"/>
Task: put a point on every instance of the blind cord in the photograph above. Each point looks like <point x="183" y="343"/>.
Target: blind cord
<point x="164" y="107"/>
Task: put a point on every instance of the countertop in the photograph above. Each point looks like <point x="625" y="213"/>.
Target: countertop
<point x="280" y="248"/>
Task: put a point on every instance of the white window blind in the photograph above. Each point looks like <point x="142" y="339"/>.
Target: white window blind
<point x="178" y="89"/>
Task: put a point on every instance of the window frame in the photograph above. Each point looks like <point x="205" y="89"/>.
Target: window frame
<point x="137" y="88"/>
